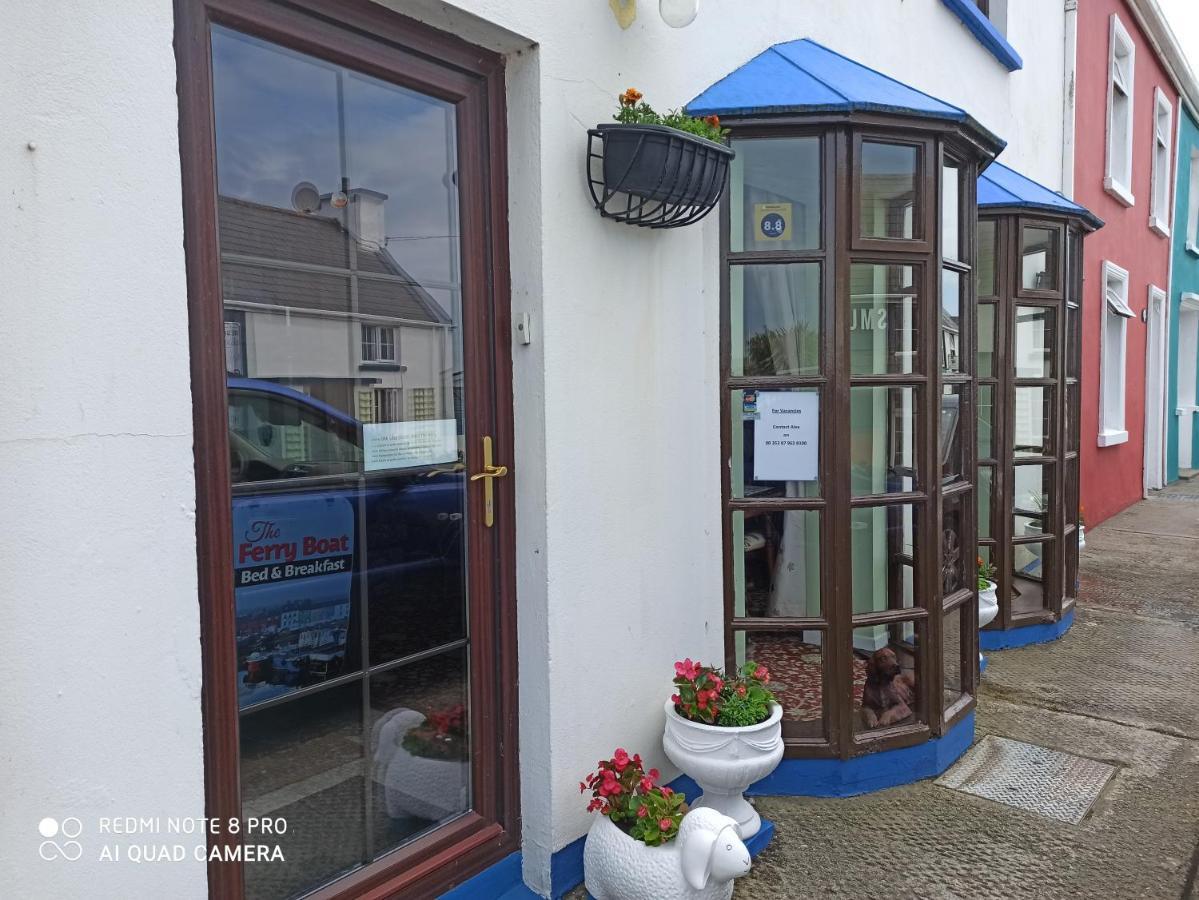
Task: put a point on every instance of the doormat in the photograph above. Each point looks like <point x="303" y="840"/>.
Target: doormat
<point x="1036" y="779"/>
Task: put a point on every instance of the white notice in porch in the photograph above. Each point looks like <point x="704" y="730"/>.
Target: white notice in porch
<point x="787" y="436"/>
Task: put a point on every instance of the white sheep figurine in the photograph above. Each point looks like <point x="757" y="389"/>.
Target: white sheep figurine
<point x="699" y="864"/>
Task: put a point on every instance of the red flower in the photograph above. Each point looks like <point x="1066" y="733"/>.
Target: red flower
<point x="621" y="758"/>
<point x="665" y="824"/>
<point x="687" y="669"/>
<point x="714" y="121"/>
<point x="666" y="792"/>
<point x="762" y="674"/>
<point x="654" y="774"/>
<point x="582" y="788"/>
<point x="642" y="812"/>
<point x="647" y="785"/>
<point x="740" y="690"/>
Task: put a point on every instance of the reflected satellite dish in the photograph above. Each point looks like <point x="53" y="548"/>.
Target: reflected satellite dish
<point x="305" y="197"/>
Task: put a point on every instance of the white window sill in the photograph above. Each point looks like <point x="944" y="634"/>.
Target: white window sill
<point x="1192" y="247"/>
<point x="1111" y="438"/>
<point x="1159" y="226"/>
<point x="1119" y="191"/>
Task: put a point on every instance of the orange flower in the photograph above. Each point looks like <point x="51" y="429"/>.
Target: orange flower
<point x="714" y="121"/>
<point x="630" y="97"/>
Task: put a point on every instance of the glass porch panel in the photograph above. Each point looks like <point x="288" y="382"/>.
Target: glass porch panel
<point x="796" y="663"/>
<point x="883" y="441"/>
<point x="951" y="321"/>
<point x="1073" y="340"/>
<point x="777" y="573"/>
<point x="1039" y="259"/>
<point x="889" y="201"/>
<point x="1035" y="328"/>
<point x="302" y="760"/>
<point x="774" y="189"/>
<point x="420" y="748"/>
<point x="1073" y="408"/>
<point x="884" y="331"/>
<point x="984" y="272"/>
<point x="986" y="341"/>
<point x="1031" y="577"/>
<point x="986" y="495"/>
<point x="1071" y="548"/>
<point x="883" y="557"/>
<point x="1032" y="499"/>
<point x="957" y="563"/>
<point x="986" y="421"/>
<point x="952" y="434"/>
<point x="1072" y="495"/>
<point x="951" y="230"/>
<point x="885" y="674"/>
<point x="775" y="319"/>
<point x="1034" y="430"/>
<point x="953" y="639"/>
<point x="775" y="443"/>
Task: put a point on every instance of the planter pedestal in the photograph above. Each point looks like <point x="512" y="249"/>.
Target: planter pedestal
<point x="725" y="761"/>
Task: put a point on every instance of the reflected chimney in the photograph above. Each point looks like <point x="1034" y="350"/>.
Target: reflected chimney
<point x="363" y="216"/>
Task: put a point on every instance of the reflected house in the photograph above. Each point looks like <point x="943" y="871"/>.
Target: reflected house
<point x="310" y="297"/>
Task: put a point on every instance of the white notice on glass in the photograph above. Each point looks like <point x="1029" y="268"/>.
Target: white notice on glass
<point x="787" y="436"/>
<point x="401" y="445"/>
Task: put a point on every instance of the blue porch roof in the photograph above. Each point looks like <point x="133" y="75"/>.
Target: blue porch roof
<point x="1000" y="186"/>
<point x="806" y="77"/>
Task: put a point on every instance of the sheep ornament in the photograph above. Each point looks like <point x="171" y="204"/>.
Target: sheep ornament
<point x="699" y="864"/>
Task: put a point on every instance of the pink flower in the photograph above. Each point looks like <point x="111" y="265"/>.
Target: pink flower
<point x="665" y="824"/>
<point x="761" y="674"/>
<point x="654" y="774"/>
<point x="621" y="758"/>
<point x="594" y="805"/>
<point x="740" y="690"/>
<point x="642" y="812"/>
<point x="675" y="699"/>
<point x="687" y="669"/>
<point x="666" y="792"/>
<point x="647" y="785"/>
<point x="582" y="788"/>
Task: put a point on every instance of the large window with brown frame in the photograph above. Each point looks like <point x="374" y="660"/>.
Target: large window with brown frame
<point x="848" y="354"/>
<point x="1029" y="356"/>
<point x="344" y="209"/>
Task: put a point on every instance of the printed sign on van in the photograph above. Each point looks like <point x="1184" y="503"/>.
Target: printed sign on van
<point x="293" y="561"/>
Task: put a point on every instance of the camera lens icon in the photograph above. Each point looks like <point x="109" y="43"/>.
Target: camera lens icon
<point x="69" y="849"/>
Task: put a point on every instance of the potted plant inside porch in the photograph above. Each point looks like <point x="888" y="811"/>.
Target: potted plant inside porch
<point x="725" y="732"/>
<point x="646" y="845"/>
<point x="661" y="170"/>
<point x="988" y="599"/>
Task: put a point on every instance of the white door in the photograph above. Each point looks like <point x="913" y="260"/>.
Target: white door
<point x="1188" y="373"/>
<point x="1155" y="392"/>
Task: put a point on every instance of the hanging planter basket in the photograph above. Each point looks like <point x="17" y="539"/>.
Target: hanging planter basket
<point x="653" y="175"/>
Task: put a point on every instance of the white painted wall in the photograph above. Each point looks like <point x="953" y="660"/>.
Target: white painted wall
<point x="99" y="653"/>
<point x="617" y="457"/>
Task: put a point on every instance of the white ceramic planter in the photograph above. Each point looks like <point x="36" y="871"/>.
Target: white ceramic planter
<point x="699" y="864"/>
<point x="1082" y="536"/>
<point x="415" y="785"/>
<point x="726" y="761"/>
<point x="988" y="605"/>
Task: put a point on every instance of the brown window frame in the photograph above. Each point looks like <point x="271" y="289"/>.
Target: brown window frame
<point x="842" y="245"/>
<point x="1061" y="530"/>
<point x="370" y="39"/>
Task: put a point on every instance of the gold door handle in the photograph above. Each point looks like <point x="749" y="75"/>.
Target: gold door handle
<point x="488" y="476"/>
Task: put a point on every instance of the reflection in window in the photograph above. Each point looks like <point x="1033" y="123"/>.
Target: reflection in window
<point x="986" y="340"/>
<point x="952" y="624"/>
<point x="956" y="560"/>
<point x="1039" y="259"/>
<point x="986" y="421"/>
<point x="775" y="319"/>
<point x="796" y="664"/>
<point x="888" y="190"/>
<point x="986" y="481"/>
<point x="779" y="572"/>
<point x="984" y="272"/>
<point x="1033" y="421"/>
<point x="1034" y="342"/>
<point x="378" y="343"/>
<point x="883" y="334"/>
<point x="883" y="557"/>
<point x="950" y="437"/>
<point x="882" y="440"/>
<point x="951" y="321"/>
<point x="950" y="210"/>
<point x="775" y="183"/>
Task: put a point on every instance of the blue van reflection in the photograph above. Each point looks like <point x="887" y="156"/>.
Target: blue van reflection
<point x="319" y="544"/>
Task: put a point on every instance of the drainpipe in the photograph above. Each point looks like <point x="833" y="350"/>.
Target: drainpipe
<point x="1069" y="66"/>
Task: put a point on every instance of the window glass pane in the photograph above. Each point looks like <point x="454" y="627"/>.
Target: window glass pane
<point x="883" y="332"/>
<point x="952" y="430"/>
<point x="883" y="557"/>
<point x="778" y="573"/>
<point x="1034" y="422"/>
<point x="984" y="270"/>
<point x="1072" y="564"/>
<point x="882" y="440"/>
<point x="1032" y="499"/>
<point x="956" y="560"/>
<point x="885" y="663"/>
<point x="1034" y="342"/>
<point x="1073" y="340"/>
<point x="302" y="761"/>
<point x="986" y="340"/>
<point x="420" y="747"/>
<point x="951" y="321"/>
<point x="950" y="211"/>
<point x="1072" y="497"/>
<point x="796" y="664"/>
<point x="986" y="421"/>
<point x="952" y="628"/>
<point x="986" y="481"/>
<point x="775" y="318"/>
<point x="889" y="181"/>
<point x="775" y="443"/>
<point x="775" y="186"/>
<point x="1072" y="410"/>
<point x="1039" y="259"/>
<point x="1031" y="578"/>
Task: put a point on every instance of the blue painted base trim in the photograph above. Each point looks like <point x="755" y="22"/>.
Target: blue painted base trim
<point x="1028" y="634"/>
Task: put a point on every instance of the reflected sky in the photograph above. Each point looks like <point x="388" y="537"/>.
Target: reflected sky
<point x="280" y="123"/>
